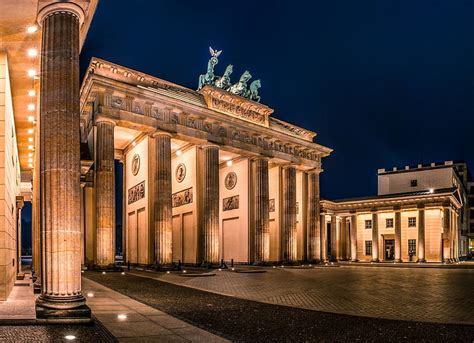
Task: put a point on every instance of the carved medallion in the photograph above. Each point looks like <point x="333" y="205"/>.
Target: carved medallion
<point x="230" y="180"/>
<point x="180" y="173"/>
<point x="135" y="164"/>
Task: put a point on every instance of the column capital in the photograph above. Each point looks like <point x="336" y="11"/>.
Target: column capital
<point x="209" y="146"/>
<point x="397" y="208"/>
<point x="160" y="134"/>
<point x="374" y="210"/>
<point x="260" y="158"/>
<point x="421" y="206"/>
<point x="61" y="6"/>
<point x="105" y="120"/>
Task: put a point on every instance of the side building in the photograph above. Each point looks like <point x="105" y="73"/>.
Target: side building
<point x="418" y="215"/>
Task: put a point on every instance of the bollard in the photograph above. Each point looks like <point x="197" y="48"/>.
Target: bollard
<point x="179" y="263"/>
<point x="222" y="262"/>
<point x="231" y="262"/>
<point x="128" y="265"/>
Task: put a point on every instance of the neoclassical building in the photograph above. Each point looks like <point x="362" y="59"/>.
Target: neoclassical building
<point x="416" y="216"/>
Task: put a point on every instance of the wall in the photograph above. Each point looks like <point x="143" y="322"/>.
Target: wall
<point x="433" y="232"/>
<point x="363" y="235"/>
<point x="185" y="223"/>
<point x="274" y="174"/>
<point x="384" y="232"/>
<point x="9" y="184"/>
<point x="426" y="179"/>
<point x="137" y="234"/>
<point x="234" y="224"/>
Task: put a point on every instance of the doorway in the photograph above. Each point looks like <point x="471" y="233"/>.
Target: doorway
<point x="389" y="249"/>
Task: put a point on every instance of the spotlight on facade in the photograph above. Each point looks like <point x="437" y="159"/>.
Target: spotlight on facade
<point x="31" y="73"/>
<point x="134" y="143"/>
<point x="32" y="29"/>
<point x="30" y="166"/>
<point x="31" y="92"/>
<point x="122" y="316"/>
<point x="31" y="119"/>
<point x="30" y="154"/>
<point x="32" y="52"/>
<point x="69" y="337"/>
<point x="179" y="152"/>
<point x="30" y="139"/>
<point x="90" y="295"/>
<point x="229" y="163"/>
<point x="31" y="147"/>
<point x="431" y="190"/>
<point x="30" y="160"/>
<point x="30" y="131"/>
<point x="31" y="107"/>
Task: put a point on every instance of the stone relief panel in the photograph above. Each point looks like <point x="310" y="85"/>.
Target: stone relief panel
<point x="136" y="193"/>
<point x="271" y="205"/>
<point x="230" y="203"/>
<point x="230" y="180"/>
<point x="180" y="172"/>
<point x="183" y="197"/>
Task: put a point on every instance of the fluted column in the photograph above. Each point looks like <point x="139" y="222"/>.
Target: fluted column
<point x="210" y="204"/>
<point x="421" y="235"/>
<point x="375" y="237"/>
<point x="261" y="210"/>
<point x="354" y="238"/>
<point x="446" y="234"/>
<point x="398" y="235"/>
<point x="163" y="227"/>
<point x="324" y="238"/>
<point x="61" y="297"/>
<point x="314" y="234"/>
<point x="105" y="193"/>
<point x="342" y="237"/>
<point x="289" y="214"/>
<point x="334" y="239"/>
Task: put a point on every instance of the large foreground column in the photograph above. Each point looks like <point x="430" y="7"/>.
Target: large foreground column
<point x="314" y="234"/>
<point x="421" y="235"/>
<point x="61" y="298"/>
<point x="354" y="238"/>
<point x="162" y="199"/>
<point x="289" y="215"/>
<point x="375" y="237"/>
<point x="210" y="204"/>
<point x="105" y="193"/>
<point x="398" y="235"/>
<point x="261" y="210"/>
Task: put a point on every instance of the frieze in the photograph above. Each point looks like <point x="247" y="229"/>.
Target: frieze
<point x="271" y="205"/>
<point x="183" y="197"/>
<point x="230" y="203"/>
<point x="136" y="193"/>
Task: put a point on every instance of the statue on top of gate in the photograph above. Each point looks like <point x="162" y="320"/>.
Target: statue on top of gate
<point x="240" y="88"/>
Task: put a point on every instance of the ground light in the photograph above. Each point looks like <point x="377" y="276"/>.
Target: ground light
<point x="90" y="295"/>
<point x="70" y="337"/>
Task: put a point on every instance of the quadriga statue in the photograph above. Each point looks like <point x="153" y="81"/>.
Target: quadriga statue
<point x="240" y="88"/>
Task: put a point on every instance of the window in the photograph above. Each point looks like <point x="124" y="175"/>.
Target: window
<point x="412" y="222"/>
<point x="389" y="222"/>
<point x="413" y="183"/>
<point x="368" y="224"/>
<point x="412" y="246"/>
<point x="368" y="248"/>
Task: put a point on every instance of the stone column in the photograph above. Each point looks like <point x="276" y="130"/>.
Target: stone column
<point x="354" y="238"/>
<point x="61" y="298"/>
<point x="446" y="253"/>
<point x="162" y="207"/>
<point x="334" y="240"/>
<point x="261" y="210"/>
<point x="375" y="237"/>
<point x="347" y="239"/>
<point x="289" y="215"/>
<point x="314" y="234"/>
<point x="105" y="193"/>
<point x="210" y="204"/>
<point x="324" y="241"/>
<point x="421" y="235"/>
<point x="342" y="239"/>
<point x="398" y="235"/>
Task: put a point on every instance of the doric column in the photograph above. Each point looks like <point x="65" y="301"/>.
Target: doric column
<point x="289" y="215"/>
<point x="261" y="210"/>
<point x="375" y="237"/>
<point x="210" y="204"/>
<point x="324" y="241"/>
<point x="314" y="235"/>
<point x="61" y="297"/>
<point x="421" y="234"/>
<point x="161" y="195"/>
<point x="446" y="251"/>
<point x="347" y="239"/>
<point x="105" y="193"/>
<point x="398" y="235"/>
<point x="354" y="238"/>
<point x="334" y="240"/>
<point x="342" y="239"/>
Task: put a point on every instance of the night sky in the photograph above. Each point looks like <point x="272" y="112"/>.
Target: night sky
<point x="383" y="83"/>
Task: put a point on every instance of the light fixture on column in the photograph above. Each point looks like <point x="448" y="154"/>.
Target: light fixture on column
<point x="179" y="152"/>
<point x="90" y="295"/>
<point x="30" y="160"/>
<point x="31" y="147"/>
<point x="31" y="92"/>
<point x="31" y="119"/>
<point x="431" y="190"/>
<point x="30" y="154"/>
<point x="32" y="52"/>
<point x="30" y="131"/>
<point x="31" y="107"/>
<point x="32" y="29"/>
<point x="30" y="139"/>
<point x="31" y="73"/>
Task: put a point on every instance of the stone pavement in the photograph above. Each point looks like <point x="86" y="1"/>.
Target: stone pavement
<point x="432" y="295"/>
<point x="20" y="304"/>
<point x="132" y="321"/>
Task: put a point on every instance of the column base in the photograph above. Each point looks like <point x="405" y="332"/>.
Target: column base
<point x="421" y="260"/>
<point x="353" y="260"/>
<point x="398" y="260"/>
<point x="375" y="260"/>
<point x="37" y="286"/>
<point x="63" y="310"/>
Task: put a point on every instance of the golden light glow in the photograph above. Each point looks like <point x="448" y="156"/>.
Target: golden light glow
<point x="31" y="107"/>
<point x="31" y="92"/>
<point x="32" y="52"/>
<point x="30" y="160"/>
<point x="31" y="118"/>
<point x="229" y="163"/>
<point x="30" y="131"/>
<point x="32" y="29"/>
<point x="30" y="139"/>
<point x="90" y="295"/>
<point x="31" y="73"/>
<point x="31" y="147"/>
<point x="178" y="153"/>
<point x="30" y="154"/>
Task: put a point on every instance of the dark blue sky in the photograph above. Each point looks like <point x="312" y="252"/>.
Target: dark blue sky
<point x="383" y="83"/>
